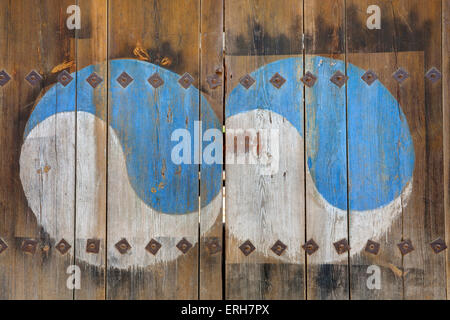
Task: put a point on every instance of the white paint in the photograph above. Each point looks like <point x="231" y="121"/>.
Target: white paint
<point x="374" y="21"/>
<point x="73" y="21"/>
<point x="374" y="280"/>
<point x="74" y="280"/>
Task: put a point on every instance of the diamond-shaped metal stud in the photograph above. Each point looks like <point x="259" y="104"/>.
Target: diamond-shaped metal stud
<point x="341" y="246"/>
<point x="372" y="247"/>
<point x="94" y="80"/>
<point x="155" y="80"/>
<point x="123" y="246"/>
<point x="434" y="75"/>
<point x="278" y="248"/>
<point x="4" y="78"/>
<point x="213" y="246"/>
<point x="153" y="247"/>
<point x="309" y="79"/>
<point x="400" y="75"/>
<point x="369" y="77"/>
<point x="247" y="81"/>
<point x="438" y="245"/>
<point x="29" y="246"/>
<point x="64" y="78"/>
<point x="405" y="247"/>
<point x="184" y="245"/>
<point x="93" y="246"/>
<point x="247" y="248"/>
<point x="339" y="79"/>
<point x="63" y="246"/>
<point x="310" y="247"/>
<point x="3" y="245"/>
<point x="186" y="80"/>
<point x="214" y="80"/>
<point x="124" y="79"/>
<point x="277" y="80"/>
<point x="34" y="78"/>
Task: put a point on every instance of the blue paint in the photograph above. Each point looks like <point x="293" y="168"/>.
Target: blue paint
<point x="144" y="118"/>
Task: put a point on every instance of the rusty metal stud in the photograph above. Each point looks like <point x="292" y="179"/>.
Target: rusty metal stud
<point x="123" y="246"/>
<point x="94" y="80"/>
<point x="341" y="246"/>
<point x="278" y="248"/>
<point x="309" y="79"/>
<point x="153" y="247"/>
<point x="184" y="245"/>
<point x="3" y="245"/>
<point x="34" y="78"/>
<point x="29" y="246"/>
<point x="4" y="78"/>
<point x="372" y="247"/>
<point x="214" y="81"/>
<point x="124" y="79"/>
<point x="93" y="246"/>
<point x="247" y="248"/>
<point x="63" y="246"/>
<point x="405" y="247"/>
<point x="400" y="75"/>
<point x="310" y="247"/>
<point x="247" y="81"/>
<point x="339" y="79"/>
<point x="155" y="80"/>
<point x="369" y="77"/>
<point x="434" y="75"/>
<point x="277" y="80"/>
<point x="438" y="245"/>
<point x="213" y="246"/>
<point x="64" y="78"/>
<point x="186" y="80"/>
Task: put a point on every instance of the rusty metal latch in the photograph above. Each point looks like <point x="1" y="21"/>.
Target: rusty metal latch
<point x="184" y="245"/>
<point x="247" y="248"/>
<point x="155" y="80"/>
<point x="93" y="246"/>
<point x="277" y="80"/>
<point x="123" y="246"/>
<point x="4" y="78"/>
<point x="369" y="77"/>
<point x="153" y="247"/>
<point x="372" y="247"/>
<point x="438" y="245"/>
<point x="29" y="246"/>
<point x="405" y="247"/>
<point x="63" y="246"/>
<point x="124" y="79"/>
<point x="94" y="80"/>
<point x="213" y="246"/>
<point x="186" y="80"/>
<point x="400" y="75"/>
<point x="34" y="78"/>
<point x="278" y="248"/>
<point x="310" y="246"/>
<point x="214" y="81"/>
<point x="64" y="78"/>
<point x="247" y="81"/>
<point x="434" y="75"/>
<point x="341" y="246"/>
<point x="3" y="245"/>
<point x="309" y="79"/>
<point x="339" y="79"/>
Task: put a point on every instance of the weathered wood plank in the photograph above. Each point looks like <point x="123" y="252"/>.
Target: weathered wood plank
<point x="149" y="195"/>
<point x="38" y="151"/>
<point x="446" y="106"/>
<point x="264" y="176"/>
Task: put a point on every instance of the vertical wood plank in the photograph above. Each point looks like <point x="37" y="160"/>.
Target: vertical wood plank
<point x="264" y="205"/>
<point x="325" y="110"/>
<point x="149" y="197"/>
<point x="91" y="148"/>
<point x="212" y="89"/>
<point x="446" y="106"/>
<point x="38" y="158"/>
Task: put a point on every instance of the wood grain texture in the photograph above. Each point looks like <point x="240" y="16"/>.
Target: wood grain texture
<point x="446" y="106"/>
<point x="327" y="271"/>
<point x="261" y="36"/>
<point x="35" y="39"/>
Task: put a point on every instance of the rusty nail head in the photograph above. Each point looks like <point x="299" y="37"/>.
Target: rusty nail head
<point x="310" y="247"/>
<point x="372" y="247"/>
<point x="277" y="80"/>
<point x="3" y="245"/>
<point x="278" y="248"/>
<point x="153" y="247"/>
<point x="214" y="81"/>
<point x="369" y="77"/>
<point x="247" y="81"/>
<point x="29" y="246"/>
<point x="438" y="245"/>
<point x="4" y="78"/>
<point x="247" y="248"/>
<point x="184" y="245"/>
<point x="339" y="79"/>
<point x="186" y="80"/>
<point x="400" y="75"/>
<point x="309" y="79"/>
<point x="93" y="246"/>
<point x="405" y="247"/>
<point x="213" y="246"/>
<point x="64" y="78"/>
<point x="124" y="79"/>
<point x="94" y="80"/>
<point x="341" y="246"/>
<point x="123" y="246"/>
<point x="434" y="75"/>
<point x="63" y="246"/>
<point x="155" y="80"/>
<point x="34" y="78"/>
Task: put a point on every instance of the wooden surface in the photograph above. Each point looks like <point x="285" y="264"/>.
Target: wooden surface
<point x="446" y="106"/>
